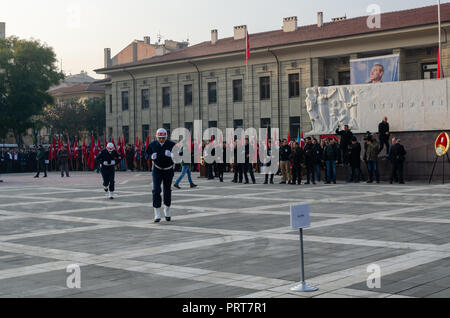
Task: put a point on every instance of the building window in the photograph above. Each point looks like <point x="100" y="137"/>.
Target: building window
<point x="145" y="132"/>
<point x="266" y="123"/>
<point x="124" y="101"/>
<point x="188" y="95"/>
<point x="110" y="104"/>
<point x="237" y="91"/>
<point x="166" y="96"/>
<point x="212" y="124"/>
<point x="294" y="85"/>
<point x="212" y="93"/>
<point x="294" y="127"/>
<point x="145" y="98"/>
<point x="126" y="134"/>
<point x="264" y="87"/>
<point x="238" y="123"/>
<point x="167" y="127"/>
<point x="429" y="70"/>
<point x="344" y="78"/>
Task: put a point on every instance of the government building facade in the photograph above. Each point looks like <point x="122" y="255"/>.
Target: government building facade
<point x="210" y="81"/>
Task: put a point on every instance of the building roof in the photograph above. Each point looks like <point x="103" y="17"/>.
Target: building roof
<point x="350" y="27"/>
<point x="78" y="89"/>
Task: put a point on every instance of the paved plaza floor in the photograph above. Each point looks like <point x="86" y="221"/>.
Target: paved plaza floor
<point x="225" y="241"/>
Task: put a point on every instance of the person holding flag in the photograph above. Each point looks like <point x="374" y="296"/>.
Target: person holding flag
<point x="160" y="152"/>
<point x="107" y="159"/>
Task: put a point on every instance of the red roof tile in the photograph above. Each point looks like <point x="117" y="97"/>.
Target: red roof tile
<point x="350" y="27"/>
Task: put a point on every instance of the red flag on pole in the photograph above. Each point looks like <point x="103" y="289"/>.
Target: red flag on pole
<point x="289" y="138"/>
<point x="247" y="48"/>
<point x="91" y="160"/>
<point x="302" y="140"/>
<point x="106" y="143"/>
<point x="75" y="151"/>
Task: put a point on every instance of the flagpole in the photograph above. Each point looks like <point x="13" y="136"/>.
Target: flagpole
<point x="440" y="39"/>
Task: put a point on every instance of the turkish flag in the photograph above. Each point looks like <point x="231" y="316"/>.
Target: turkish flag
<point x="247" y="48"/>
<point x="75" y="152"/>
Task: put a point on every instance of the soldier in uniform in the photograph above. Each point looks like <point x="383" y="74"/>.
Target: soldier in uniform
<point x="108" y="158"/>
<point x="63" y="159"/>
<point x="160" y="152"/>
<point x="40" y="159"/>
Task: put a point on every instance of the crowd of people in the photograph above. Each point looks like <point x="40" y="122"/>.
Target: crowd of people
<point x="312" y="160"/>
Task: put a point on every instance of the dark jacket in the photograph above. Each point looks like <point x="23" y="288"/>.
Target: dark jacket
<point x="162" y="160"/>
<point x="105" y="156"/>
<point x="297" y="156"/>
<point x="309" y="154"/>
<point x="346" y="138"/>
<point x="372" y="151"/>
<point x="331" y="153"/>
<point x="383" y="128"/>
<point x="397" y="153"/>
<point x="354" y="154"/>
<point x="63" y="156"/>
<point x="41" y="154"/>
<point x="285" y="153"/>
<point x="318" y="153"/>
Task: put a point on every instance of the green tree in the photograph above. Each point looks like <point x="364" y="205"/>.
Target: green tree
<point x="96" y="115"/>
<point x="68" y="118"/>
<point x="28" y="70"/>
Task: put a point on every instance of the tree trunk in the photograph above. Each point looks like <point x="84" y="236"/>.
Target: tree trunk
<point x="18" y="138"/>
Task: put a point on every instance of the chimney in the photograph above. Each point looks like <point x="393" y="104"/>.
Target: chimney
<point x="320" y="19"/>
<point x="108" y="58"/>
<point x="240" y="32"/>
<point x="290" y="24"/>
<point x="2" y="30"/>
<point x="147" y="40"/>
<point x="214" y="36"/>
<point x="135" y="51"/>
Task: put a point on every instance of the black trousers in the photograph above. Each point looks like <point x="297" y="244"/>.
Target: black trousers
<point x="164" y="177"/>
<point x="296" y="174"/>
<point x="267" y="178"/>
<point x="108" y="174"/>
<point x="238" y="172"/>
<point x="220" y="167"/>
<point x="397" y="171"/>
<point x="64" y="167"/>
<point x="41" y="167"/>
<point x="384" y="142"/>
<point x="248" y="167"/>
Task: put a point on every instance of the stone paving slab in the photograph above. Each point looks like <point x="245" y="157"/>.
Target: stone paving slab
<point x="226" y="240"/>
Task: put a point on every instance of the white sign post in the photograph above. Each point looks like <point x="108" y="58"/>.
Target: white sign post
<point x="300" y="220"/>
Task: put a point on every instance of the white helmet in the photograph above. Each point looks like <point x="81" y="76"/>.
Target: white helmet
<point x="110" y="147"/>
<point x="161" y="133"/>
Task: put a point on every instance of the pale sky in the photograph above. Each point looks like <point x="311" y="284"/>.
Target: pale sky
<point x="79" y="30"/>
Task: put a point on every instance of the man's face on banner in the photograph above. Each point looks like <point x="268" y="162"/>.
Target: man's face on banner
<point x="376" y="74"/>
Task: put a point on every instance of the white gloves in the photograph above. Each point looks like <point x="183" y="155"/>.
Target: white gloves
<point x="169" y="154"/>
<point x="105" y="163"/>
<point x="113" y="163"/>
<point x="154" y="156"/>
